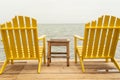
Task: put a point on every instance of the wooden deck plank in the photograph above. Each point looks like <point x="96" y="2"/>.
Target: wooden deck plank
<point x="58" y="70"/>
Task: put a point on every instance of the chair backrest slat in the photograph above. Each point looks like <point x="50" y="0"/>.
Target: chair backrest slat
<point x="103" y="36"/>
<point x="17" y="37"/>
<point x="97" y="37"/>
<point x="85" y="40"/>
<point x="30" y="39"/>
<point x="11" y="40"/>
<point x="109" y="37"/>
<point x="5" y="42"/>
<point x="23" y="36"/>
<point x="115" y="38"/>
<point x="35" y="34"/>
<point x="91" y="39"/>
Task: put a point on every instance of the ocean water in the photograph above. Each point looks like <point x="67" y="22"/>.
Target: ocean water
<point x="58" y="31"/>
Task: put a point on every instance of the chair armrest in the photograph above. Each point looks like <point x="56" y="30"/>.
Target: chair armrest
<point x="42" y="37"/>
<point x="78" y="37"/>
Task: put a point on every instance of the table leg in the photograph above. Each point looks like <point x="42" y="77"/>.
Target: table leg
<point x="68" y="54"/>
<point x="50" y="53"/>
<point x="49" y="49"/>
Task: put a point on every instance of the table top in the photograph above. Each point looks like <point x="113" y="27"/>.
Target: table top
<point x="58" y="40"/>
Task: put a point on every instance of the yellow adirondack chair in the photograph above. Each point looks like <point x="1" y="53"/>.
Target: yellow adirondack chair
<point x="100" y="40"/>
<point x="20" y="40"/>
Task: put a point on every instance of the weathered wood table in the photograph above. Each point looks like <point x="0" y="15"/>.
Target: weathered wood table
<point x="58" y="42"/>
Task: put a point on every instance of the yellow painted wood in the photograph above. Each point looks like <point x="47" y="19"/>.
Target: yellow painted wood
<point x="3" y="67"/>
<point x="39" y="64"/>
<point x="22" y="44"/>
<point x="87" y="24"/>
<point x="43" y="38"/>
<point x="99" y="43"/>
<point x="5" y="42"/>
<point x="18" y="28"/>
<point x="99" y="27"/>
<point x="11" y="40"/>
<point x="12" y="62"/>
<point x="101" y="57"/>
<point x="97" y="37"/>
<point x="80" y="55"/>
<point x="30" y="39"/>
<point x="82" y="64"/>
<point x="35" y="34"/>
<point x="17" y="37"/>
<point x="23" y="36"/>
<point x="103" y="36"/>
<point x="75" y="49"/>
<point x="109" y="37"/>
<point x="114" y="42"/>
<point x="115" y="38"/>
<point x="91" y="39"/>
<point x="76" y="37"/>
<point x="116" y="63"/>
<point x="85" y="42"/>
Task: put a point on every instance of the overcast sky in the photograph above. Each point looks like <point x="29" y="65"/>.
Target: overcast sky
<point x="59" y="11"/>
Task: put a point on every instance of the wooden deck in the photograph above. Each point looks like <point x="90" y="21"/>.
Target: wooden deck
<point x="95" y="70"/>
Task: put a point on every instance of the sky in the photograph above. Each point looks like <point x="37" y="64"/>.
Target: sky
<point x="59" y="11"/>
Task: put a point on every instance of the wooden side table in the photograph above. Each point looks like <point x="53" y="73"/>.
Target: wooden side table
<point x="58" y="42"/>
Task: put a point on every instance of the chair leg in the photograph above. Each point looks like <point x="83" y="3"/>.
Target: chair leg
<point x="75" y="52"/>
<point x="12" y="62"/>
<point x="39" y="65"/>
<point x="106" y="59"/>
<point x="44" y="54"/>
<point x="3" y="67"/>
<point x="75" y="49"/>
<point x="116" y="63"/>
<point x="82" y="65"/>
